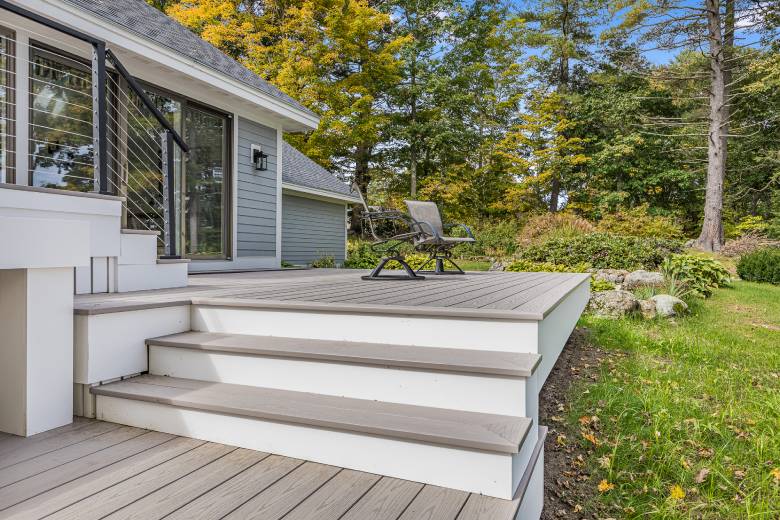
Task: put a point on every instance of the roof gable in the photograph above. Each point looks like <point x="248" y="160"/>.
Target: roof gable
<point x="300" y="170"/>
<point x="144" y="20"/>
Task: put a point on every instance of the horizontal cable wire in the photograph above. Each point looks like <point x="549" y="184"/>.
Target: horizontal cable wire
<point x="46" y="157"/>
<point x="65" y="131"/>
<point x="61" y="115"/>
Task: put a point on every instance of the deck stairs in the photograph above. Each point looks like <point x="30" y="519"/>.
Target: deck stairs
<point x="453" y="417"/>
<point x="136" y="267"/>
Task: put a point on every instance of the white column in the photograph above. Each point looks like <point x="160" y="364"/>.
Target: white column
<point x="22" y="107"/>
<point x="36" y="374"/>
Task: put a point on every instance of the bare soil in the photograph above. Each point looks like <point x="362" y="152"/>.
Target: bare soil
<point x="569" y="489"/>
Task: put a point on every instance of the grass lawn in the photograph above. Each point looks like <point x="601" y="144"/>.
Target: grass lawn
<point x="686" y="424"/>
<point x="473" y="265"/>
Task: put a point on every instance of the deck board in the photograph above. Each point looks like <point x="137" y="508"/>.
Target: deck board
<point x="154" y="475"/>
<point x="504" y="295"/>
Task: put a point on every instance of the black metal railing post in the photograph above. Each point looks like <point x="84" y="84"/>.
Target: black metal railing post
<point x="169" y="194"/>
<point x="99" y="116"/>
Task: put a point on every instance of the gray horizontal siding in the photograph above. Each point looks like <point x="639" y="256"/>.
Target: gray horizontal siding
<point x="256" y="197"/>
<point x="311" y="229"/>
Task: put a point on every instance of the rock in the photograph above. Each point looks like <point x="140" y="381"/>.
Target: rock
<point x="498" y="265"/>
<point x="611" y="275"/>
<point x="613" y="304"/>
<point x="642" y="278"/>
<point x="647" y="308"/>
<point x="667" y="305"/>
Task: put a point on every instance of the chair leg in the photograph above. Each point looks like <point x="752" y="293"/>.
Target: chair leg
<point x="410" y="274"/>
<point x="439" y="269"/>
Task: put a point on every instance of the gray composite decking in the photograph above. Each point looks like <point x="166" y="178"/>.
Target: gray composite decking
<point x="91" y="469"/>
<point x="517" y="296"/>
<point x="470" y="430"/>
<point x="512" y="364"/>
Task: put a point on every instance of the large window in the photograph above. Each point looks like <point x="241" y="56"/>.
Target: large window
<point x="206" y="133"/>
<point x="61" y="146"/>
<point x="7" y="106"/>
<point x="202" y="184"/>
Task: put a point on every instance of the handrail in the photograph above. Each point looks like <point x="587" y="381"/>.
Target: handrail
<point x="133" y="84"/>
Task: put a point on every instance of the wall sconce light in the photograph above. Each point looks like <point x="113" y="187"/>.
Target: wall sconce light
<point x="259" y="158"/>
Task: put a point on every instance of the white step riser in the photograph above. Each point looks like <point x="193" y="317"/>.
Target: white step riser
<point x="491" y="474"/>
<point x="138" y="249"/>
<point x="154" y="276"/>
<point x="455" y="391"/>
<point x="476" y="334"/>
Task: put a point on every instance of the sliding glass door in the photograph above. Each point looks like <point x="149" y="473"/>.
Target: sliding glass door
<point x="205" y="183"/>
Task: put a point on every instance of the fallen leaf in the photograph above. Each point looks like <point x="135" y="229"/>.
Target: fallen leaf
<point x="676" y="492"/>
<point x="701" y="475"/>
<point x="605" y="486"/>
<point x="776" y="475"/>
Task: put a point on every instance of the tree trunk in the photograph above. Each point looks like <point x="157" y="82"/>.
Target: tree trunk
<point x="362" y="156"/>
<point x="413" y="140"/>
<point x="711" y="237"/>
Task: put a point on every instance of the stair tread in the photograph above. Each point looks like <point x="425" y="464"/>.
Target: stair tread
<point x="405" y="356"/>
<point x="471" y="430"/>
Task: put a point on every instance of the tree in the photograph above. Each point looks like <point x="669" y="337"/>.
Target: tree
<point x="710" y="26"/>
<point x="562" y="31"/>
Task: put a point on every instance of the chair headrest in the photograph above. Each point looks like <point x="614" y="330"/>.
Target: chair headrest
<point x="426" y="211"/>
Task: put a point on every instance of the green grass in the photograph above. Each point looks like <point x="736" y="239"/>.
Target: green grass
<point x="696" y="396"/>
<point x="473" y="265"/>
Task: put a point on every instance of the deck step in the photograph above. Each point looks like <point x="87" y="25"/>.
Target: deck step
<point x="399" y="356"/>
<point x="470" y="430"/>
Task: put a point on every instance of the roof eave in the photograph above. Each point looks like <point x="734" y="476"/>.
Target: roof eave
<point x="296" y="118"/>
<point x="341" y="197"/>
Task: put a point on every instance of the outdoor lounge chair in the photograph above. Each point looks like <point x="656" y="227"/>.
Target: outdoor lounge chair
<point x="433" y="239"/>
<point x="390" y="229"/>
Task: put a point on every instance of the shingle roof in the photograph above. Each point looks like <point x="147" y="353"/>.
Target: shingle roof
<point x="299" y="170"/>
<point x="146" y="21"/>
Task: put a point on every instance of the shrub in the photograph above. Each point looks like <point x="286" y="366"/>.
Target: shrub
<point x="598" y="284"/>
<point x="695" y="275"/>
<point x="554" y="225"/>
<point x="747" y="244"/>
<point x="323" y="262"/>
<point x="494" y="239"/>
<point x="415" y="261"/>
<point x="603" y="251"/>
<point x="545" y="267"/>
<point x="749" y="225"/>
<point x="360" y="255"/>
<point x="638" y="221"/>
<point x="760" y="266"/>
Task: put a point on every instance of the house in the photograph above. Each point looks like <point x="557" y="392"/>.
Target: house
<point x="147" y="201"/>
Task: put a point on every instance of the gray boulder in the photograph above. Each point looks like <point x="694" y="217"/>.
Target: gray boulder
<point x="647" y="308"/>
<point x="611" y="275"/>
<point x="642" y="278"/>
<point x="498" y="265"/>
<point x="612" y="304"/>
<point x="667" y="305"/>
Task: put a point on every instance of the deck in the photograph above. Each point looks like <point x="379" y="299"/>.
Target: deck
<point x="523" y="296"/>
<point x="92" y="469"/>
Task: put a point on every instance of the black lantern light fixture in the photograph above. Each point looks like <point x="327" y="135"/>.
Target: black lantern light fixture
<point x="259" y="158"/>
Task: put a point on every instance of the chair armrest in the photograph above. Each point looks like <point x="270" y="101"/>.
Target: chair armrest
<point x="464" y="226"/>
<point x="425" y="228"/>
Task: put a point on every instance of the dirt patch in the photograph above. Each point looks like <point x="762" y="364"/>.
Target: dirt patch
<point x="568" y="486"/>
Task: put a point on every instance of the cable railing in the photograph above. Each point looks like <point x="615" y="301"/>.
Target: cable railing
<point x="91" y="127"/>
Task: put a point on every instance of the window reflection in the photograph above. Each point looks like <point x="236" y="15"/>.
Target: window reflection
<point x="61" y="147"/>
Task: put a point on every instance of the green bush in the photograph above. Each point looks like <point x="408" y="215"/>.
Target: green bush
<point x="639" y="222"/>
<point x="603" y="251"/>
<point x="323" y="262"/>
<point x="527" y="266"/>
<point x="360" y="255"/>
<point x="597" y="284"/>
<point x="415" y="261"/>
<point x="494" y="240"/>
<point x="760" y="266"/>
<point x="696" y="275"/>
